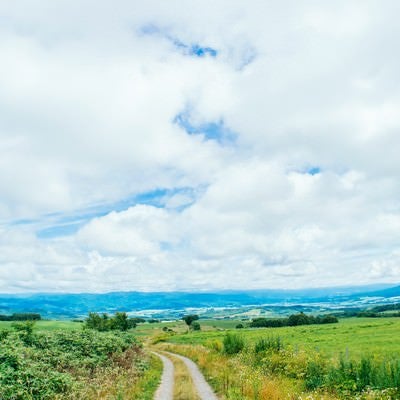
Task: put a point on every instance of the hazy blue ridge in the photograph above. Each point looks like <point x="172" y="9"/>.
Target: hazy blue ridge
<point x="164" y="304"/>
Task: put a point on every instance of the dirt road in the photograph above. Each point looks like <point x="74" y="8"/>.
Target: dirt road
<point x="165" y="390"/>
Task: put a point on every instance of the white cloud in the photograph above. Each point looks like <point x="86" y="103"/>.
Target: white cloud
<point x="87" y="108"/>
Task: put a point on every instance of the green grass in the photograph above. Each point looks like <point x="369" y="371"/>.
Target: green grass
<point x="148" y="383"/>
<point x="353" y="337"/>
<point x="48" y="326"/>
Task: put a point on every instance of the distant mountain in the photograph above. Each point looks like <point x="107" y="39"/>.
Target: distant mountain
<point x="51" y="305"/>
<point x="388" y="292"/>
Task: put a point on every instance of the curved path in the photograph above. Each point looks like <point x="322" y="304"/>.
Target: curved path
<point x="166" y="389"/>
<point x="203" y="388"/>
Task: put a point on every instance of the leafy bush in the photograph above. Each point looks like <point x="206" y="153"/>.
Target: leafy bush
<point x="195" y="326"/>
<point x="54" y="364"/>
<point x="233" y="343"/>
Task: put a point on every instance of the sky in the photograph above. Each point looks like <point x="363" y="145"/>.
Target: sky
<point x="198" y="145"/>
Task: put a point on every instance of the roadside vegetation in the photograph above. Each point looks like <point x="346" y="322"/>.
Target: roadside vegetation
<point x="305" y="357"/>
<point x="74" y="364"/>
<point x="353" y="359"/>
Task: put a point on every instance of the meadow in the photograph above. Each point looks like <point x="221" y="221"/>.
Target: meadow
<point x="352" y="336"/>
<point x="358" y="358"/>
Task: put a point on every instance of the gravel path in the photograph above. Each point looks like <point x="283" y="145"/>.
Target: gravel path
<point x="166" y="389"/>
<point x="203" y="388"/>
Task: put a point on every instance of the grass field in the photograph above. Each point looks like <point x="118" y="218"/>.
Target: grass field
<point x="46" y="326"/>
<point x="307" y="350"/>
<point x="354" y="336"/>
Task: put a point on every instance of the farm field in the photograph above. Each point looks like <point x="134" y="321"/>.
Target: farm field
<point x="353" y="336"/>
<point x="47" y="326"/>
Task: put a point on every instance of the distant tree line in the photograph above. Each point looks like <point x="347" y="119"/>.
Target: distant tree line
<point x="292" y="320"/>
<point x="21" y="317"/>
<point x="104" y="322"/>
<point x="382" y="311"/>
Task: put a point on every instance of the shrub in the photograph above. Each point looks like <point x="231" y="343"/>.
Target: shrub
<point x="233" y="343"/>
<point x="195" y="326"/>
<point x="239" y="326"/>
<point x="268" y="344"/>
<point x="53" y="365"/>
<point x="215" y="345"/>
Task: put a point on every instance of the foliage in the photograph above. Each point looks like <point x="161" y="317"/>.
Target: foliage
<point x="137" y="320"/>
<point x="104" y="322"/>
<point x="21" y="317"/>
<point x="55" y="364"/>
<point x="195" y="326"/>
<point x="189" y="319"/>
<point x="148" y="384"/>
<point x="293" y="320"/>
<point x="239" y="326"/>
<point x="233" y="343"/>
<point x="270" y="343"/>
<point x="309" y="365"/>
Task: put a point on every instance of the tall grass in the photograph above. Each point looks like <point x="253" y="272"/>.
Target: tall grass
<point x="233" y="343"/>
<point x="275" y="371"/>
<point x="270" y="343"/>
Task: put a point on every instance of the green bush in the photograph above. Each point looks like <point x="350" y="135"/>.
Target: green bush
<point x="233" y="343"/>
<point x="270" y="343"/>
<point x="195" y="326"/>
<point x="54" y="364"/>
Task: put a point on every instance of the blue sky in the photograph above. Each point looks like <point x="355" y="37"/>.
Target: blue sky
<point x="201" y="146"/>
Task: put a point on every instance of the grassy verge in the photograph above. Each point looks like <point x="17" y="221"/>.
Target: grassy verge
<point x="232" y="379"/>
<point x="74" y="364"/>
<point x="149" y="381"/>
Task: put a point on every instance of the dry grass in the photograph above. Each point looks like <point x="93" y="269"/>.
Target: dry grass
<point x="232" y="379"/>
<point x="126" y="379"/>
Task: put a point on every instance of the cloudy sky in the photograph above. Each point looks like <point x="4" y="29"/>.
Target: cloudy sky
<point x="198" y="145"/>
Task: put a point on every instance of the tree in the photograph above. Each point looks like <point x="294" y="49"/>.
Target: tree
<point x="104" y="322"/>
<point x="190" y="318"/>
<point x="195" y="326"/>
<point x="120" y="321"/>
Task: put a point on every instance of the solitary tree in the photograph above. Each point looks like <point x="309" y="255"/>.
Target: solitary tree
<point x="190" y="318"/>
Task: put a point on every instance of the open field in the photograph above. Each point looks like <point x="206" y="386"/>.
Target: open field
<point x="353" y="336"/>
<point x="355" y="358"/>
<point x="305" y="366"/>
<point x="47" y="326"/>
